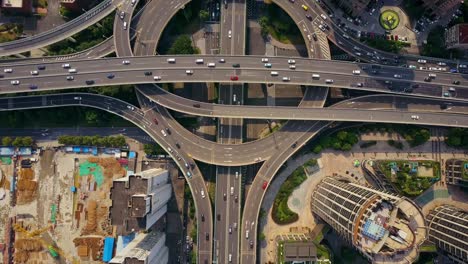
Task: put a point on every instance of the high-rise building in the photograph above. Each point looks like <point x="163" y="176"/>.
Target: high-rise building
<point x="139" y="201"/>
<point x="145" y="248"/>
<point x="440" y="8"/>
<point x="448" y="229"/>
<point x="383" y="227"/>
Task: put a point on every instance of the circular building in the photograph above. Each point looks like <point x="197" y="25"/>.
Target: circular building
<point x="383" y="227"/>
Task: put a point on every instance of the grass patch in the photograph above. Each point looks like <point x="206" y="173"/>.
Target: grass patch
<point x="280" y="26"/>
<point x="411" y="178"/>
<point x="281" y="213"/>
<point x="389" y="20"/>
<point x="385" y="45"/>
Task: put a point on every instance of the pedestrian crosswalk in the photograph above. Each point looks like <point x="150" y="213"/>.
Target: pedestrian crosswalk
<point x="322" y="42"/>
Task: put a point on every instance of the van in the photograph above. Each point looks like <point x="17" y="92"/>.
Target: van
<point x="171" y="60"/>
<point x="274" y="73"/>
<point x="247" y="234"/>
<point x="356" y="72"/>
<point x="199" y="61"/>
<point x="125" y="25"/>
<point x="211" y="64"/>
<point x="230" y="257"/>
<point x="315" y="76"/>
<point x="72" y="71"/>
<point x="286" y="79"/>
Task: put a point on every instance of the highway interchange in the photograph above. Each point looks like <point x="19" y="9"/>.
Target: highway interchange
<point x="274" y="150"/>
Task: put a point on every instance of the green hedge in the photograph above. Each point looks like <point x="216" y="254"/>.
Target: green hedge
<point x="281" y="213"/>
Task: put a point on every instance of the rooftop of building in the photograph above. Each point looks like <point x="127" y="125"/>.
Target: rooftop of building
<point x="463" y="33"/>
<point x="139" y="248"/>
<point x="12" y="3"/>
<point x="392" y="230"/>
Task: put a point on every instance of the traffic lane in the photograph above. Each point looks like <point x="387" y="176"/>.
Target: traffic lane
<point x="197" y="185"/>
<point x="221" y="214"/>
<point x="246" y="62"/>
<point x="226" y="42"/>
<point x="235" y="204"/>
<point x="240" y="14"/>
<point x="257" y="190"/>
<point x="221" y="75"/>
<point x="153" y="22"/>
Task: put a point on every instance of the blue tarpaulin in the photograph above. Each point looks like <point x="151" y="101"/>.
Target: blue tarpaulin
<point x="131" y="155"/>
<point x="108" y="249"/>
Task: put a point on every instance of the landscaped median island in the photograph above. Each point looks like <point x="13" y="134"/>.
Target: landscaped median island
<point x="410" y="177"/>
<point x="389" y="19"/>
<point x="281" y="213"/>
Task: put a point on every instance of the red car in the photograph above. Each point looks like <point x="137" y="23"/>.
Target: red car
<point x="265" y="184"/>
<point x="155" y="121"/>
<point x="234" y="78"/>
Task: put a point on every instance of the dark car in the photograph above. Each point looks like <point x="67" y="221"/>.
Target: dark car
<point x="41" y="67"/>
<point x="155" y="121"/>
<point x="1" y="76"/>
<point x="148" y="73"/>
<point x="32" y="86"/>
<point x="251" y="244"/>
<point x="236" y="65"/>
<point x="89" y="82"/>
<point x="427" y="79"/>
<point x="168" y="130"/>
<point x="207" y="236"/>
<point x="309" y="17"/>
<point x="294" y="145"/>
<point x="218" y="217"/>
<point x="456" y="82"/>
<point x="375" y="71"/>
<point x="177" y="145"/>
<point x="314" y="36"/>
<point x="196" y="105"/>
<point x="203" y="218"/>
<point x="224" y="197"/>
<point x="110" y="76"/>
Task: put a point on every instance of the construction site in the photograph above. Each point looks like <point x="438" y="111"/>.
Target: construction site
<point x="71" y="221"/>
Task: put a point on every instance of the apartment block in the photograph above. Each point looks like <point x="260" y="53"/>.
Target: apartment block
<point x="383" y="227"/>
<point x="440" y="8"/>
<point x="456" y="37"/>
<point x="448" y="229"/>
<point x="138" y="201"/>
<point x="145" y="248"/>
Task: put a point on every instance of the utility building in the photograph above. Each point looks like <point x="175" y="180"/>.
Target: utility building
<point x="383" y="227"/>
<point x="448" y="229"/>
<point x="138" y="201"/>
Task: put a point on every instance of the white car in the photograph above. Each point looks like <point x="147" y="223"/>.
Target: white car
<point x="323" y="16"/>
<point x="229" y="34"/>
<point x="264" y="59"/>
<point x="442" y="64"/>
<point x="412" y="67"/>
<point x="130" y="107"/>
<point x="8" y="70"/>
<point x="126" y="62"/>
<point x="422" y="61"/>
<point x="397" y="76"/>
<point x="34" y="72"/>
<point x="189" y="72"/>
<point x="462" y="66"/>
<point x="202" y="194"/>
<point x="66" y="65"/>
<point x="157" y="78"/>
<point x="292" y="67"/>
<point x="164" y="134"/>
<point x="291" y="61"/>
<point x="76" y="98"/>
<point x="15" y="82"/>
<point x="222" y="60"/>
<point x="356" y="72"/>
<point x="286" y="79"/>
<point x="415" y="117"/>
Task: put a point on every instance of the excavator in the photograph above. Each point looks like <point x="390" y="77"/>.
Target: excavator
<point x="53" y="251"/>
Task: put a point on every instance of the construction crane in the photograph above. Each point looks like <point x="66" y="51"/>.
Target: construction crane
<point x="53" y="251"/>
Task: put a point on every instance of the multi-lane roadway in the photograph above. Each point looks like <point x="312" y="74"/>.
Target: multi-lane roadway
<point x="358" y="76"/>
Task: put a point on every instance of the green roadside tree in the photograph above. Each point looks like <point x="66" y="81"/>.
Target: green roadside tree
<point x="6" y="141"/>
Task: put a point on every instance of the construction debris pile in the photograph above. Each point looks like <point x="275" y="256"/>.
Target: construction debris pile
<point x="26" y="186"/>
<point x="89" y="247"/>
